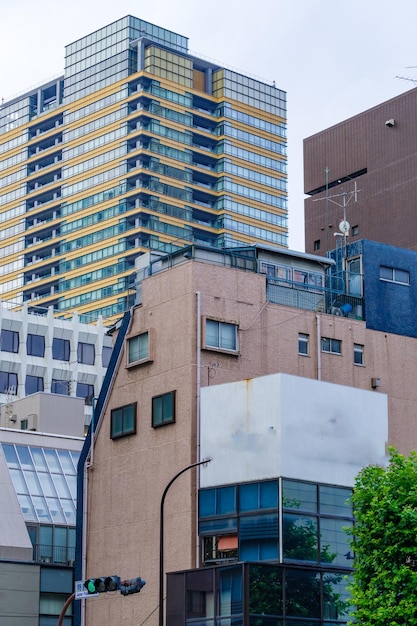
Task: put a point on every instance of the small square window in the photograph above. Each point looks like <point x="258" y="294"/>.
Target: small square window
<point x="9" y="341"/>
<point x="105" y="355"/>
<point x="35" y="345"/>
<point x="33" y="384"/>
<point x="355" y="230"/>
<point x="358" y="353"/>
<point x="221" y="335"/>
<point x="86" y="353"/>
<point x="303" y="340"/>
<point x="163" y="409"/>
<point x="138" y="348"/>
<point x="85" y="391"/>
<point x="61" y="349"/>
<point x="334" y="346"/>
<point x="123" y="421"/>
<point x="317" y="244"/>
<point x="60" y="386"/>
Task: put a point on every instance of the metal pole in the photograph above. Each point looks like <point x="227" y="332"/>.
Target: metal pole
<point x="161" y="537"/>
<point x="64" y="609"/>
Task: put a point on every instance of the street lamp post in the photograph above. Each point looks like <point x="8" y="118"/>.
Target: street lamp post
<point x="161" y="537"/>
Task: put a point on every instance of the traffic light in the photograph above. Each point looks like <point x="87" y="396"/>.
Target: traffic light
<point x="103" y="584"/>
<point x="133" y="585"/>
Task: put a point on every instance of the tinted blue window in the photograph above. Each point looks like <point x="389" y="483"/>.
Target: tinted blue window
<point x="222" y="525"/>
<point x="258" y="536"/>
<point x="226" y="500"/>
<point x="207" y="502"/>
<point x="256" y="496"/>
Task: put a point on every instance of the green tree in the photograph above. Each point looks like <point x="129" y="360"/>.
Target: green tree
<point x="384" y="540"/>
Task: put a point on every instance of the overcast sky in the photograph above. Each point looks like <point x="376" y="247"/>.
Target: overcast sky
<point x="334" y="58"/>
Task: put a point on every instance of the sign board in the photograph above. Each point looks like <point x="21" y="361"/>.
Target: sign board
<point x="81" y="592"/>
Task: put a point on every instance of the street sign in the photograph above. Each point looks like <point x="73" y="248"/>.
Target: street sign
<point x="81" y="592"/>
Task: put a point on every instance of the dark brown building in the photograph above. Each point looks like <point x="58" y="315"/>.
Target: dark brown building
<point x="365" y="170"/>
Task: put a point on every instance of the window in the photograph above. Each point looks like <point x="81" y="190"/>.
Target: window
<point x="221" y="335"/>
<point x="8" y="383"/>
<point x="105" y="355"/>
<point x="123" y="421"/>
<point x="61" y="349"/>
<point x="358" y="354"/>
<point x="60" y="386"/>
<point x="9" y="341"/>
<point x="163" y="409"/>
<point x="85" y="391"/>
<point x="317" y="244"/>
<point x="334" y="346"/>
<point x="138" y="348"/>
<point x="354" y="276"/>
<point x="303" y="344"/>
<point x="393" y="275"/>
<point x="33" y="384"/>
<point x="86" y="353"/>
<point x="35" y="345"/>
<point x="355" y="230"/>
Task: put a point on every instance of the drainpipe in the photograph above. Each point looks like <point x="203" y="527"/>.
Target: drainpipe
<point x="198" y="389"/>
<point x="318" y="346"/>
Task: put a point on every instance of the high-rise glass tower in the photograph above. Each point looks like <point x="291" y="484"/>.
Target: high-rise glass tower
<point x="138" y="146"/>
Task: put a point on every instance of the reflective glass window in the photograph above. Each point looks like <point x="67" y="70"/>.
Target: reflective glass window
<point x="35" y="345"/>
<point x="230" y="591"/>
<point x="123" y="421"/>
<point x="300" y="496"/>
<point x="106" y="354"/>
<point x="262" y="495"/>
<point x="299" y="535"/>
<point x="265" y="593"/>
<point x="33" y="384"/>
<point x="138" y="348"/>
<point x="61" y="349"/>
<point x="8" y="383"/>
<point x="9" y="340"/>
<point x="258" y="535"/>
<point x="163" y="409"/>
<point x="86" y="353"/>
<point x="335" y="500"/>
<point x="334" y="542"/>
<point x="302" y="593"/>
<point x="221" y="335"/>
<point x="85" y="391"/>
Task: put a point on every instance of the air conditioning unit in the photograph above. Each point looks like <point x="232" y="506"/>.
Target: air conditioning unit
<point x="32" y="419"/>
<point x="336" y="311"/>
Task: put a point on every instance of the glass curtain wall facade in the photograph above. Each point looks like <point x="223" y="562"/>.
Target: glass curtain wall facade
<point x="139" y="146"/>
<point x="274" y="552"/>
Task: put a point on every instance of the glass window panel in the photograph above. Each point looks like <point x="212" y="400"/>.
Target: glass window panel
<point x="300" y="496"/>
<point x="9" y="341"/>
<point x="33" y="483"/>
<point x="207" y="498"/>
<point x="221" y="525"/>
<point x="38" y="459"/>
<point x="52" y="461"/>
<point x="258" y="537"/>
<point x="248" y="497"/>
<point x="66" y="462"/>
<point x="226" y="500"/>
<point x="33" y="384"/>
<point x="265" y="591"/>
<point x="27" y="508"/>
<point x="72" y="485"/>
<point x="336" y="599"/>
<point x="230" y="591"/>
<point x="11" y="456"/>
<point x="41" y="509"/>
<point x="55" y="510"/>
<point x="47" y="485"/>
<point x="228" y="336"/>
<point x="69" y="511"/>
<point x="302" y="593"/>
<point x="61" y="349"/>
<point x="269" y="494"/>
<point x="35" y="345"/>
<point x="60" y="486"/>
<point x="86" y="353"/>
<point x="24" y="457"/>
<point x="334" y="542"/>
<point x="18" y="481"/>
<point x="401" y="276"/>
<point x="299" y="537"/>
<point x="335" y="500"/>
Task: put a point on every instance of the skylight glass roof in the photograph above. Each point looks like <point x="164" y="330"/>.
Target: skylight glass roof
<point x="45" y="481"/>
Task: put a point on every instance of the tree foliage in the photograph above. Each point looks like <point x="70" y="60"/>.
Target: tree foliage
<point x="384" y="540"/>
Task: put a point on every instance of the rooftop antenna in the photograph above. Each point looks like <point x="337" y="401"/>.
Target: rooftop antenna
<point x="346" y="198"/>
<point x="408" y="67"/>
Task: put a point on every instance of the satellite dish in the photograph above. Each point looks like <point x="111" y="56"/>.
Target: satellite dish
<point x="344" y="227"/>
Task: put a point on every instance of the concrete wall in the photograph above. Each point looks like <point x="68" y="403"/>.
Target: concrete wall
<point x="282" y="425"/>
<point x="19" y="594"/>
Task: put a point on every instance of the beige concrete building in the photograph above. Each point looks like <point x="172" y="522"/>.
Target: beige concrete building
<point x="203" y="321"/>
